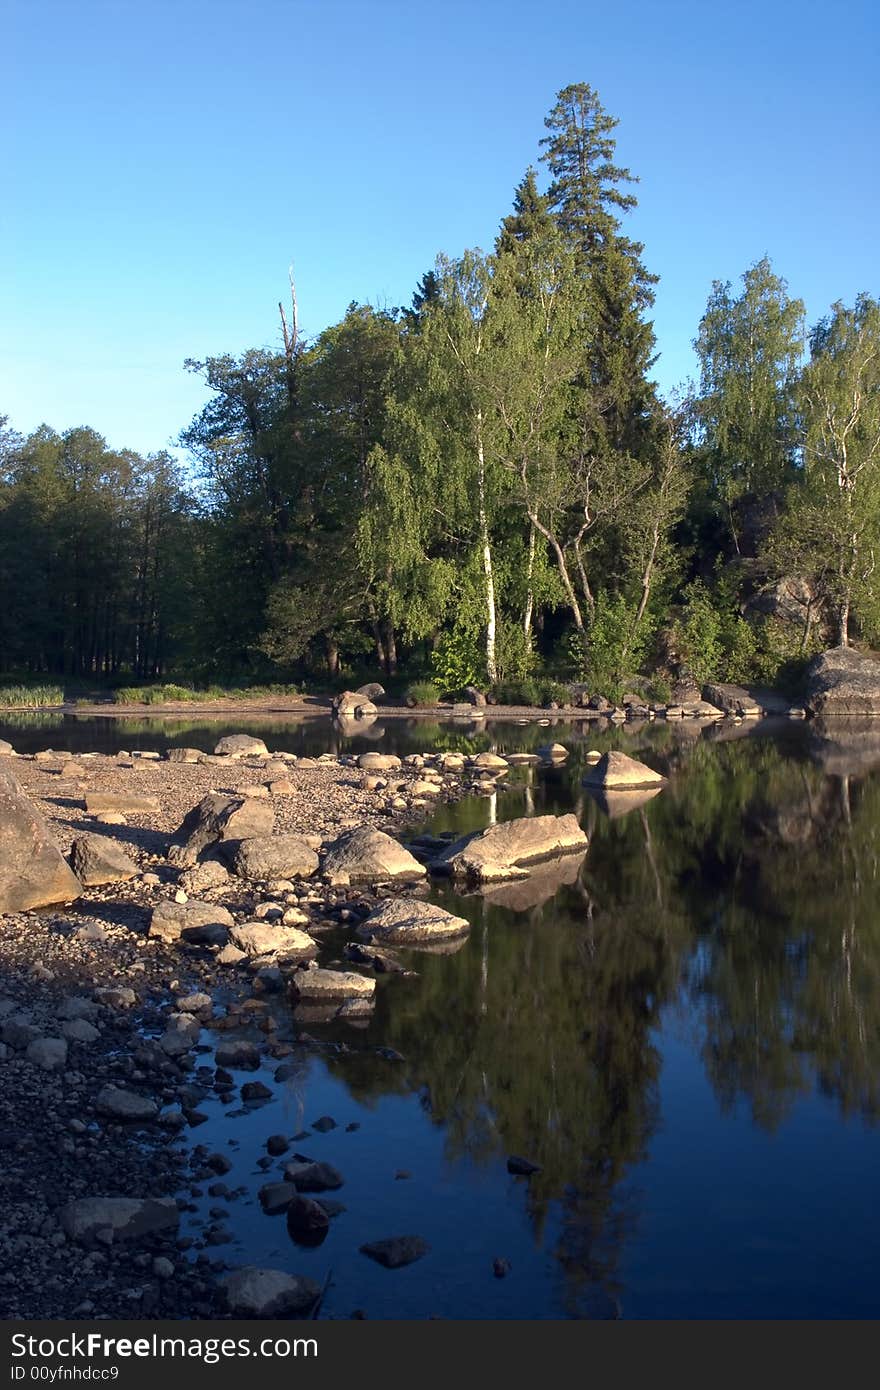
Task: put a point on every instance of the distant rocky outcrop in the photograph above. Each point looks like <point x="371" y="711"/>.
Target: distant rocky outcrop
<point x="842" y="681"/>
<point x="33" y="872"/>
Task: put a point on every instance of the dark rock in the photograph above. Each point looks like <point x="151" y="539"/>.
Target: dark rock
<point x="96" y="860"/>
<point x="307" y="1220"/>
<point x="522" y="1167"/>
<point x="396" y="1250"/>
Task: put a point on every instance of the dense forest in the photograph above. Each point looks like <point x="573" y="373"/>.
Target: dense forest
<point x="485" y="487"/>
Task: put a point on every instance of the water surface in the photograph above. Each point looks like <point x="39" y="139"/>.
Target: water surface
<point x="683" y="1031"/>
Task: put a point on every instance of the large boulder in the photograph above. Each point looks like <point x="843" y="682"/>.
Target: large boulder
<point x="504" y="850"/>
<point x="241" y="746"/>
<point x="265" y="939"/>
<point x="219" y="818"/>
<point x="410" y="922"/>
<point x="378" y="762"/>
<point x="618" y="770"/>
<point x="842" y="681"/>
<point x="371" y="691"/>
<point x="269" y="1293"/>
<point x="129" y="1218"/>
<point x="366" y="855"/>
<point x="33" y="872"/>
<point x="200" y="923"/>
<point x="96" y="860"/>
<point x="6" y="749"/>
<point x="731" y="699"/>
<point x="273" y="856"/>
<point x="352" y="705"/>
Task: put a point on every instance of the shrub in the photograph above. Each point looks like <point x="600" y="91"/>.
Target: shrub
<point x="522" y="692"/>
<point x="31" y="696"/>
<point x="456" y="661"/>
<point x="551" y="691"/>
<point x="422" y="694"/>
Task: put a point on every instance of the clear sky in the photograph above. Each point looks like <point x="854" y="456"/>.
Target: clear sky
<point x="164" y="162"/>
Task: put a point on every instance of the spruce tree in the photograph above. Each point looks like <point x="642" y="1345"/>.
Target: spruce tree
<point x="587" y="192"/>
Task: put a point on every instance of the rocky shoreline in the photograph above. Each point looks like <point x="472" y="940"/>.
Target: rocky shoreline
<point x="120" y="1023"/>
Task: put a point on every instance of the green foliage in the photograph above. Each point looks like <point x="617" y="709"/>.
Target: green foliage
<point x="552" y="691"/>
<point x="515" y="651"/>
<point x="699" y="633"/>
<point x="181" y="694"/>
<point x="422" y="694"/>
<point x="457" y="661"/>
<point x="615" y="647"/>
<point x="517" y="692"/>
<point x="30" y="696"/>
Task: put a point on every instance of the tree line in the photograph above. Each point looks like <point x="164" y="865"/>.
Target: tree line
<point x="482" y="487"/>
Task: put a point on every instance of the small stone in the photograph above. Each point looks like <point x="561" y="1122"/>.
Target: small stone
<point x="48" y="1053"/>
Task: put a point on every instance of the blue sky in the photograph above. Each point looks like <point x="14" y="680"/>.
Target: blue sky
<point x="165" y="162"/>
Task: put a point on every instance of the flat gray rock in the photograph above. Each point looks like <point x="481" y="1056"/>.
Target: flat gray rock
<point x="274" y="856"/>
<point x="128" y="1218"/>
<point x="507" y="849"/>
<point x="410" y="922"/>
<point x="269" y="1293"/>
<point x="618" y="771"/>
<point x="124" y="1105"/>
<point x="127" y="803"/>
<point x="319" y="985"/>
<point x="266" y="939"/>
<point x="195" y="922"/>
<point x="367" y="855"/>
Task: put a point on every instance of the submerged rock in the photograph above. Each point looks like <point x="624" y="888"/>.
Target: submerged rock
<point x="505" y="850"/>
<point x="396" y="1250"/>
<point x="33" y="872"/>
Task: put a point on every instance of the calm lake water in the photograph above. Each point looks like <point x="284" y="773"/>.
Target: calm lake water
<point x="683" y="1031"/>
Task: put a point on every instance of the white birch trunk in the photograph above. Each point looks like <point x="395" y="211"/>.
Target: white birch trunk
<point x="491" y="665"/>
